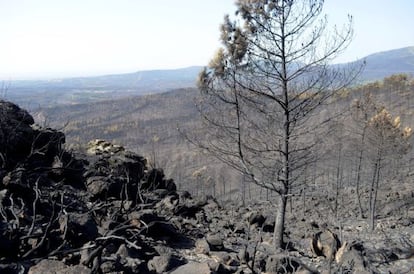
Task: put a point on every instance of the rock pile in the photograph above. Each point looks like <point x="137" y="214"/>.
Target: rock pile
<point x="63" y="213"/>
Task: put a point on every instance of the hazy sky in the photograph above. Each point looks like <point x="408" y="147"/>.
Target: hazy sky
<point x="56" y="38"/>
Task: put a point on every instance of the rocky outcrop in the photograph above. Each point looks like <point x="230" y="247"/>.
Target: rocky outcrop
<point x="87" y="214"/>
<point x="23" y="143"/>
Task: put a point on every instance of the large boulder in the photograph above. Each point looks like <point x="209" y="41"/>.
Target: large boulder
<point x="113" y="171"/>
<point x="16" y="134"/>
<point x="22" y="141"/>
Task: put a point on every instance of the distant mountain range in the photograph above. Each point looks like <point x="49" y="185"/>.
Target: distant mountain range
<point x="89" y="89"/>
<point x="386" y="63"/>
<point x="98" y="88"/>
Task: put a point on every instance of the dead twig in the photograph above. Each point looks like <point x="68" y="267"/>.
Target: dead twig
<point x="45" y="234"/>
<point x="38" y="193"/>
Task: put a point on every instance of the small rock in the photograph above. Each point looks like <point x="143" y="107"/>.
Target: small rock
<point x="215" y="241"/>
<point x="98" y="186"/>
<point x="192" y="268"/>
<point x="257" y="219"/>
<point x="53" y="267"/>
<point x="127" y="259"/>
<point x="109" y="266"/>
<point x="159" y="264"/>
<point x="163" y="263"/>
<point x="169" y="203"/>
<point x="202" y="246"/>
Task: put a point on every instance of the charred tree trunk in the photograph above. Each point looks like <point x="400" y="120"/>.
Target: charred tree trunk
<point x="358" y="179"/>
<point x="280" y="221"/>
<point x="374" y="191"/>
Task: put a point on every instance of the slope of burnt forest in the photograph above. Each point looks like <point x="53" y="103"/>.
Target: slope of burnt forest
<point x="104" y="209"/>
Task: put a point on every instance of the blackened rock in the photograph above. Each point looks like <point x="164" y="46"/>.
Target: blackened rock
<point x="21" y="141"/>
<point x="17" y="182"/>
<point x="269" y="224"/>
<point x="123" y="171"/>
<point x="71" y="169"/>
<point x="16" y="134"/>
<point x="168" y="204"/>
<point x="72" y="197"/>
<point x="146" y="216"/>
<point x="14" y="113"/>
<point x="155" y="179"/>
<point x="163" y="263"/>
<point x="188" y="210"/>
<point x="155" y="226"/>
<point x="109" y="159"/>
<point x="79" y="227"/>
<point x="162" y="230"/>
<point x="98" y="186"/>
<point x="128" y="259"/>
<point x="46" y="145"/>
<point x="9" y="240"/>
<point x="257" y="219"/>
<point x="12" y="268"/>
<point x="3" y="172"/>
<point x="127" y="165"/>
